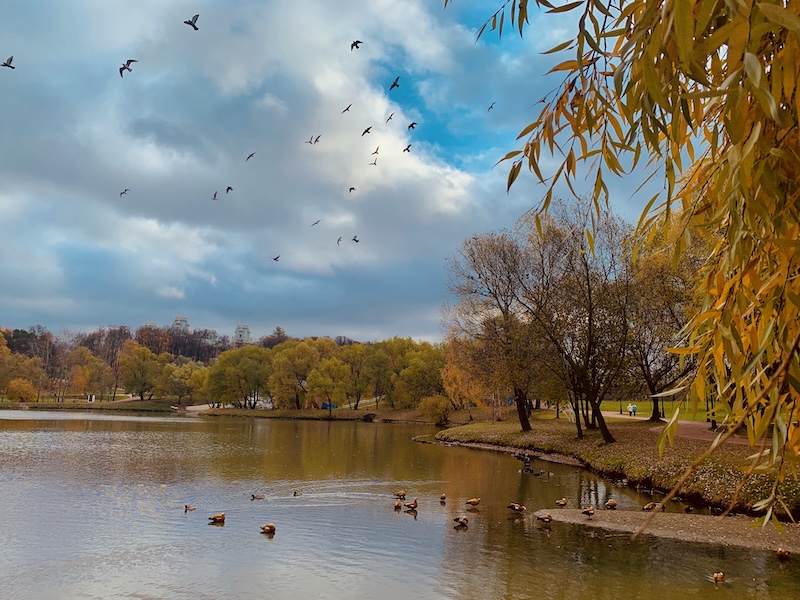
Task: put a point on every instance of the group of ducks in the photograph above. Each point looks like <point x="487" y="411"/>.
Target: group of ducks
<point x="461" y="521"/>
<point x="219" y="518"/>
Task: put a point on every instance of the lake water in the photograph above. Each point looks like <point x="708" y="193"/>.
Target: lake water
<point x="93" y="508"/>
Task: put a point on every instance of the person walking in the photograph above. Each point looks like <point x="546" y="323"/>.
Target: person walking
<point x="634" y="408"/>
<point x="630" y="409"/>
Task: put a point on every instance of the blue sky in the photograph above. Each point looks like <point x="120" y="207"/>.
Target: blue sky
<point x="259" y="76"/>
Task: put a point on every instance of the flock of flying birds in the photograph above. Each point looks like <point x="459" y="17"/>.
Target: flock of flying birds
<point x="314" y="139"/>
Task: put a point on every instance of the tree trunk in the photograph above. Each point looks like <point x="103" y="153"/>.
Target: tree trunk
<point x="520" y="401"/>
<point x="601" y="423"/>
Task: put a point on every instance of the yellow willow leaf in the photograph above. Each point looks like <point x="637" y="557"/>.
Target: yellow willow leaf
<point x="502" y="18"/>
<point x="668" y="432"/>
<point x="567" y="65"/>
<point x="513" y="174"/>
<point x="566" y="7"/>
<point x="781" y="16"/>
<point x="684" y="28"/>
<point x="752" y="67"/>
<point x="508" y="156"/>
<point x="751" y="141"/>
<point x="560" y="47"/>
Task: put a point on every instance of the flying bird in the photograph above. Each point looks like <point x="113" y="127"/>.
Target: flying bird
<point x="192" y="22"/>
<point x="412" y="125"/>
<point x="7" y="62"/>
<point x="491" y="106"/>
<point x="348" y="108"/>
<point x="123" y="192"/>
<point x="374" y="163"/>
<point x="249" y="156"/>
<point x="275" y="258"/>
<point x="394" y="83"/>
<point x="355" y="45"/>
<point x="376" y="150"/>
<point x="126" y="66"/>
<point x="352" y="189"/>
<point x="355" y="239"/>
<point x="316" y="222"/>
<point x="339" y="240"/>
<point x="316" y="139"/>
<point x="214" y="197"/>
<point x="228" y="189"/>
<point x="366" y="131"/>
<point x="310" y="140"/>
<point x="407" y="148"/>
<point x="390" y="117"/>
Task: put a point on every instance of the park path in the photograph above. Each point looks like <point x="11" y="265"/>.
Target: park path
<point x="692" y="430"/>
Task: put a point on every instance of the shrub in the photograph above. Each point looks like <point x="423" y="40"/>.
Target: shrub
<point x="21" y="390"/>
<point x="436" y="409"/>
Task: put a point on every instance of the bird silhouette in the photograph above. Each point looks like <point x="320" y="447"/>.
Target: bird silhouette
<point x="214" y="197"/>
<point x="394" y="83"/>
<point x="123" y="192"/>
<point x="366" y="131"/>
<point x="355" y="239"/>
<point x="355" y="45"/>
<point x="348" y="108"/>
<point x="491" y="106"/>
<point x="339" y="240"/>
<point x="126" y="66"/>
<point x="316" y="222"/>
<point x="352" y="189"/>
<point x="412" y="125"/>
<point x="376" y="150"/>
<point x="7" y="62"/>
<point x="192" y="22"/>
<point x="407" y="148"/>
<point x="310" y="140"/>
<point x="374" y="163"/>
<point x="228" y="189"/>
<point x="249" y="156"/>
<point x="275" y="258"/>
<point x="390" y="117"/>
<point x="316" y="139"/>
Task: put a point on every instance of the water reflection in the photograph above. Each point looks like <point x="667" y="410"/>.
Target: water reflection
<point x="96" y="508"/>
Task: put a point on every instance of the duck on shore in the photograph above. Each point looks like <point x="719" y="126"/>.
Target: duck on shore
<point x="474" y="501"/>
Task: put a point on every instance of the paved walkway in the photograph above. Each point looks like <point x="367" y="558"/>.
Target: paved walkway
<point x="693" y="430"/>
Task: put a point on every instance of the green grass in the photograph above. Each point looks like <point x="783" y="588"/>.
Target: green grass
<point x="645" y="409"/>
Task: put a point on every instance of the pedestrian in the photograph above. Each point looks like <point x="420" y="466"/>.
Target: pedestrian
<point x="634" y="408"/>
<point x="630" y="409"/>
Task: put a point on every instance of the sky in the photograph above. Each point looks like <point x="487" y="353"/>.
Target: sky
<point x="262" y="77"/>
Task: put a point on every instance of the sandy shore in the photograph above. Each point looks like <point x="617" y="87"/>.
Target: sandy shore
<point x="724" y="531"/>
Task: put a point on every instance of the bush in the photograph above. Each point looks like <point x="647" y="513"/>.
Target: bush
<point x="21" y="390"/>
<point x="436" y="409"/>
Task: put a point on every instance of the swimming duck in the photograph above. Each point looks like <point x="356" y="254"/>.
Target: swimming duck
<point x="188" y="507"/>
<point x="611" y="504"/>
<point x="413" y="504"/>
<point x="442" y="497"/>
<point x="562" y="502"/>
<point x="782" y="553"/>
<point x="588" y="512"/>
<point x="269" y="529"/>
<point x="461" y="522"/>
<point x="298" y="493"/>
<point x="256" y="496"/>
<point x="218" y="518"/>
<point x="474" y="501"/>
<point x="516" y="507"/>
<point x="718" y="577"/>
<point x="398" y="505"/>
<point x="548" y="518"/>
<point x="653" y="506"/>
<point x="400" y="494"/>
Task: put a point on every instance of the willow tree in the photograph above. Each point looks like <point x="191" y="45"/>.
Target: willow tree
<point x="704" y="94"/>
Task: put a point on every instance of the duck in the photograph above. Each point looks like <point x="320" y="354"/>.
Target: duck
<point x="256" y="496"/>
<point x="269" y="529"/>
<point x="611" y="504"/>
<point x="218" y="518"/>
<point x="588" y="512"/>
<point x="461" y="522"/>
<point x="718" y="577"/>
<point x="400" y="494"/>
<point x="297" y="493"/>
<point x="442" y="497"/>
<point x="412" y="505"/>
<point x="188" y="507"/>
<point x="516" y="507"/>
<point x="562" y="502"/>
<point x="782" y="553"/>
<point x="654" y="505"/>
<point x="548" y="518"/>
<point x="474" y="501"/>
<point x="398" y="505"/>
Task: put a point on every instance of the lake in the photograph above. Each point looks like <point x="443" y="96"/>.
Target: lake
<point x="93" y="508"/>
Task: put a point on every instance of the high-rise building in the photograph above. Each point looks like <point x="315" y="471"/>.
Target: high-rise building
<point x="181" y="323"/>
<point x="242" y="335"/>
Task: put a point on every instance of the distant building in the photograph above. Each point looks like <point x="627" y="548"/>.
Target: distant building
<point x="151" y="325"/>
<point x="242" y="335"/>
<point x="212" y="337"/>
<point x="181" y="323"/>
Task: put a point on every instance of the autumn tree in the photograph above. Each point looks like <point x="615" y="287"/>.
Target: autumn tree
<point x="240" y="375"/>
<point x="291" y="366"/>
<point x="356" y="358"/>
<point x="140" y="370"/>
<point x="328" y="381"/>
<point x="704" y="93"/>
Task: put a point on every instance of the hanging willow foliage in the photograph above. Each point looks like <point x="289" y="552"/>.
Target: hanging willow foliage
<point x="704" y="92"/>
